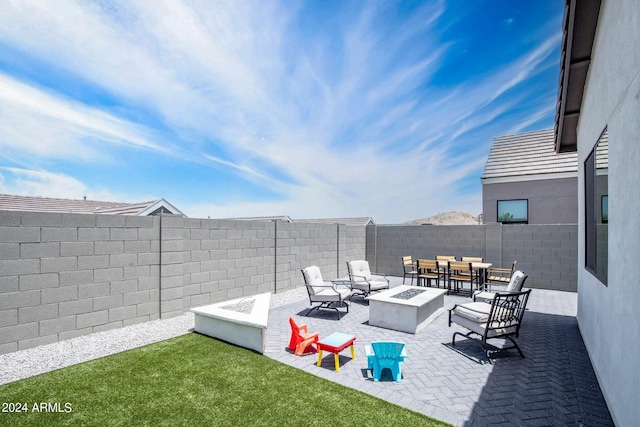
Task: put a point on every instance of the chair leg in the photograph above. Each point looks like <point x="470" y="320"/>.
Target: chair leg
<point x="328" y="306"/>
<point x="396" y="373"/>
<point x="302" y="346"/>
<point x="483" y="343"/>
<point x="376" y="371"/>
<point x="515" y="345"/>
<point x="453" y="338"/>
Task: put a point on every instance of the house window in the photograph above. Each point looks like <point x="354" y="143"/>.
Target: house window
<point x="513" y="211"/>
<point x="604" y="206"/>
<point x="596" y="197"/>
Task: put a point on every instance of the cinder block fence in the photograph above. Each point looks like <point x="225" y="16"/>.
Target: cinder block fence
<point x="66" y="275"/>
<point x="548" y="254"/>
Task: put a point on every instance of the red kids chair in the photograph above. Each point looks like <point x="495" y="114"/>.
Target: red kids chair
<point x="301" y="338"/>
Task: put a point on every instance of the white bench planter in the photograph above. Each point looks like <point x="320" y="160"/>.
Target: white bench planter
<point x="242" y="321"/>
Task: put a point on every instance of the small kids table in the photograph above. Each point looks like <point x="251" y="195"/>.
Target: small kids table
<point x="335" y="343"/>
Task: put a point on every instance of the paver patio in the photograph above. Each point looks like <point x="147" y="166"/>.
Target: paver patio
<point x="554" y="385"/>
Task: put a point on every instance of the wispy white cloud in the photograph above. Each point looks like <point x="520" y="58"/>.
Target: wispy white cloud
<point x="40" y="183"/>
<point x="335" y="121"/>
<point x="44" y="124"/>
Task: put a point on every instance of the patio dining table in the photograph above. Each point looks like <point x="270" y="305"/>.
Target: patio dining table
<point x="481" y="267"/>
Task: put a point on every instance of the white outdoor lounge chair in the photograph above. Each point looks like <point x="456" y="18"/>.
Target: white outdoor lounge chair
<point x="363" y="280"/>
<point x="325" y="294"/>
<point x="501" y="318"/>
<point x="515" y="285"/>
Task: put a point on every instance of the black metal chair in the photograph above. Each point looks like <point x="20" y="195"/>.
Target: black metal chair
<point x="500" y="319"/>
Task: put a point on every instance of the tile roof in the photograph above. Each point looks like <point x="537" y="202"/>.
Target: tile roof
<point x="363" y="220"/>
<point x="531" y="153"/>
<point x="346" y="221"/>
<point x="10" y="202"/>
<point x="283" y="218"/>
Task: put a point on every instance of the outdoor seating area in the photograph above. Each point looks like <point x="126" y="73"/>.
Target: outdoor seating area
<point x="458" y="383"/>
<point x="464" y="275"/>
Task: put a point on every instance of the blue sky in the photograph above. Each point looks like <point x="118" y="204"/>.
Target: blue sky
<point x="250" y="108"/>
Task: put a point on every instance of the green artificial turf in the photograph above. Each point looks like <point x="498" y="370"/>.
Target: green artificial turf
<point x="194" y="380"/>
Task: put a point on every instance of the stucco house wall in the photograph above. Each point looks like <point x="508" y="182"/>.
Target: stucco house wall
<point x="526" y="166"/>
<point x="608" y="315"/>
<point x="550" y="201"/>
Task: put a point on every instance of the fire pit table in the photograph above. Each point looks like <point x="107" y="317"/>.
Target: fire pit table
<point x="406" y="308"/>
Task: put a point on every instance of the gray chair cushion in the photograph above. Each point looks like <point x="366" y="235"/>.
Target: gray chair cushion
<point x="475" y="311"/>
<point x="516" y="282"/>
<point x="360" y="271"/>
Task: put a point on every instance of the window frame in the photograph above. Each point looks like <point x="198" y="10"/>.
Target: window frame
<point x="526" y="220"/>
<point x="594" y="215"/>
<point x="604" y="202"/>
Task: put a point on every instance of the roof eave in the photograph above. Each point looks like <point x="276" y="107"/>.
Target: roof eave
<point x="579" y="27"/>
<point x="158" y="204"/>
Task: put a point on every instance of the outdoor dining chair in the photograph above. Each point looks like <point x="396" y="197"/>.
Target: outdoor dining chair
<point x="460" y="272"/>
<point x="428" y="270"/>
<point x="500" y="275"/>
<point x="409" y="268"/>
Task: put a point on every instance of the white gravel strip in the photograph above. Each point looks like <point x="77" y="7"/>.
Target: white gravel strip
<point x="34" y="361"/>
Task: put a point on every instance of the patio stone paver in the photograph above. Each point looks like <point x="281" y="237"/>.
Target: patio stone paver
<point x="554" y="385"/>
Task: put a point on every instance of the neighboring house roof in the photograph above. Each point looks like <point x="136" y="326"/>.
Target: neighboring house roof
<point x="284" y="218"/>
<point x="528" y="156"/>
<point x="346" y="221"/>
<point x="10" y="202"/>
<point x="578" y="33"/>
<point x="362" y="221"/>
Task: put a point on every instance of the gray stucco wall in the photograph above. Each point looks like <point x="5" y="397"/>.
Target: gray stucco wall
<point x="65" y="275"/>
<point x="607" y="315"/>
<point x="550" y="201"/>
<point x="548" y="254"/>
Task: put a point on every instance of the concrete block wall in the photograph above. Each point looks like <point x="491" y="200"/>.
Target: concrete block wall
<point x="426" y="241"/>
<point x="65" y="275"/>
<point x="548" y="254"/>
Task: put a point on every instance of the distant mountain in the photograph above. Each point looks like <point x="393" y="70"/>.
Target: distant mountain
<point x="448" y="218"/>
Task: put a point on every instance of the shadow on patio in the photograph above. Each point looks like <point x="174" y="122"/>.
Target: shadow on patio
<point x="554" y="385"/>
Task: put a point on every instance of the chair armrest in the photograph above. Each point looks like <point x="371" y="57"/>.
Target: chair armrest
<point x="342" y="282"/>
<point x="363" y="277"/>
<point x="326" y="285"/>
<point x="380" y="275"/>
